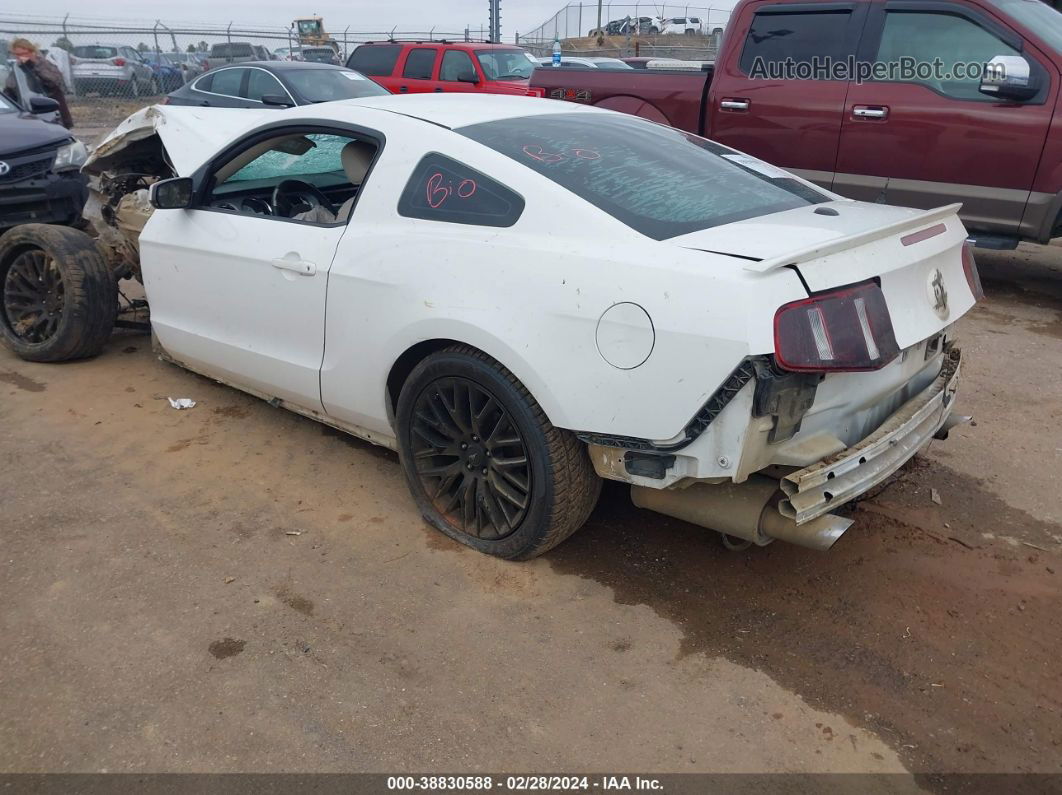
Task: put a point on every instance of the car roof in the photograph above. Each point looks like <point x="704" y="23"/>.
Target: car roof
<point x="459" y="110"/>
<point x="281" y="66"/>
<point x="460" y="45"/>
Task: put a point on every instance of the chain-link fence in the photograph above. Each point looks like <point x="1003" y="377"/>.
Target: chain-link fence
<point x="653" y="21"/>
<point x="104" y="62"/>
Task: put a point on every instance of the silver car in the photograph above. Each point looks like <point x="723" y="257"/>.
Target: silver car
<point x="114" y="69"/>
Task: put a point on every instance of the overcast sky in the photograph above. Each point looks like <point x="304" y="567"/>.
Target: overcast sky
<point x="449" y="16"/>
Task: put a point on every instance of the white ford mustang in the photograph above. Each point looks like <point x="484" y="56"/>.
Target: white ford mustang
<point x="523" y="297"/>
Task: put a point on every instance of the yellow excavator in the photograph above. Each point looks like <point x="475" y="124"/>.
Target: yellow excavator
<point x="311" y="33"/>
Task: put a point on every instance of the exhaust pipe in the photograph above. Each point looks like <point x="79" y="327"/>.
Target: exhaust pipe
<point x="952" y="420"/>
<point x="743" y="510"/>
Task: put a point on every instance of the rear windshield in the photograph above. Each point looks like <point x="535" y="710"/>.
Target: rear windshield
<point x="325" y="85"/>
<point x="657" y="180"/>
<point x="375" y="59"/>
<point x="231" y="50"/>
<point x="95" y="51"/>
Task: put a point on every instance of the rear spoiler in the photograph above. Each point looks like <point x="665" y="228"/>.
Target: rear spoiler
<point x="858" y="239"/>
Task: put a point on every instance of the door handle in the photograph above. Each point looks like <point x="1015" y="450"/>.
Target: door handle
<point x="299" y="266"/>
<point x="403" y="89"/>
<point x="734" y="103"/>
<point x="870" y="112"/>
<point x="439" y="90"/>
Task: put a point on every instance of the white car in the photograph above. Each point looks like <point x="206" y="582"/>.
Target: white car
<point x="688" y="26"/>
<point x="523" y="297"/>
<point x="579" y="62"/>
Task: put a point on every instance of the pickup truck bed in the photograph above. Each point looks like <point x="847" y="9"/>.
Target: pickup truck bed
<point x="670" y="97"/>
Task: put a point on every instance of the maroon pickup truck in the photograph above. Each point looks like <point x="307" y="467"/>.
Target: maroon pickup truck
<point x="878" y="100"/>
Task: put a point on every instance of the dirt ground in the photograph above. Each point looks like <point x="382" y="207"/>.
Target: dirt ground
<point x="234" y="588"/>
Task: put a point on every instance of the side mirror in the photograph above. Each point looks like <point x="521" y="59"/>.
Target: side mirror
<point x="171" y="194"/>
<point x="277" y="101"/>
<point x="1009" y="77"/>
<point x="467" y="76"/>
<point x="43" y="105"/>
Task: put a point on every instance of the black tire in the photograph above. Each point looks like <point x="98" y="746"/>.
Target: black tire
<point x="68" y="312"/>
<point x="562" y="487"/>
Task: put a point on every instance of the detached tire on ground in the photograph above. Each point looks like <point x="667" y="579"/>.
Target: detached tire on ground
<point x="484" y="463"/>
<point x="58" y="297"/>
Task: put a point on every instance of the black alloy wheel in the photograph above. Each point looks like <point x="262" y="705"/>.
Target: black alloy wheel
<point x="471" y="459"/>
<point x="34" y="297"/>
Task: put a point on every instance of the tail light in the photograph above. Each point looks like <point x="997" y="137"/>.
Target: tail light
<point x="969" y="267"/>
<point x="118" y="61"/>
<point x="536" y="92"/>
<point x="845" y="330"/>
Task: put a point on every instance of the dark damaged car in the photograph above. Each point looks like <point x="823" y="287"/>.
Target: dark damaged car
<point x="40" y="162"/>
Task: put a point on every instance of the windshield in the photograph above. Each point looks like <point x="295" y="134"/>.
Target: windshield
<point x="1039" y="18"/>
<point x="657" y="180"/>
<point x="610" y="63"/>
<point x="325" y="85"/>
<point x="505" y="64"/>
<point x="5" y="103"/>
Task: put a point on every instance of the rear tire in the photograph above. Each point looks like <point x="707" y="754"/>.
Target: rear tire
<point x="465" y="423"/>
<point x="58" y="297"/>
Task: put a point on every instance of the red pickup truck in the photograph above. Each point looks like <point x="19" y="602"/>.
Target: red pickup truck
<point x="879" y="100"/>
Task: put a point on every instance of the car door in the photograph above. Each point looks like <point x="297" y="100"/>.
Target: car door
<point x="139" y="71"/>
<point x="223" y="88"/>
<point x="457" y="73"/>
<point x="261" y="83"/>
<point x="238" y="295"/>
<point x="418" y="71"/>
<point x="768" y="97"/>
<point x="924" y="140"/>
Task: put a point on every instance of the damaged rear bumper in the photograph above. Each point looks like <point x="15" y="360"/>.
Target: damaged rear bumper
<point x="815" y="490"/>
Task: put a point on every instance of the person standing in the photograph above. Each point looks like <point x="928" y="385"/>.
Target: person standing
<point x="42" y="75"/>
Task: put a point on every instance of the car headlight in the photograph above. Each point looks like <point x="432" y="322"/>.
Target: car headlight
<point x="73" y="155"/>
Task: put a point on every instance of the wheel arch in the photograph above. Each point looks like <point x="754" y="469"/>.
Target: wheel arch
<point x="415" y="353"/>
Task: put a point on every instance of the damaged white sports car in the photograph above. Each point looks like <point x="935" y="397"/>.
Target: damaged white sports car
<point x="523" y="297"/>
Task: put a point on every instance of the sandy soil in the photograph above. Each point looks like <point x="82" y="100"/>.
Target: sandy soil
<point x="236" y="588"/>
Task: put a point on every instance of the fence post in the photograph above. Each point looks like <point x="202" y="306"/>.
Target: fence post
<point x="155" y="33"/>
<point x="73" y="83"/>
<point x="345" y="53"/>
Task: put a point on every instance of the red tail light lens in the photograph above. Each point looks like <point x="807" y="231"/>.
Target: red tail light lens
<point x="118" y="61"/>
<point x="536" y="92"/>
<point x="969" y="267"/>
<point x="845" y="330"/>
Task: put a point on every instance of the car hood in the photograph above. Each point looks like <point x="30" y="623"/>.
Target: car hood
<point x="189" y="135"/>
<point x="19" y="132"/>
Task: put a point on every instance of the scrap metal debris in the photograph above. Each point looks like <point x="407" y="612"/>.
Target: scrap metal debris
<point x="181" y="403"/>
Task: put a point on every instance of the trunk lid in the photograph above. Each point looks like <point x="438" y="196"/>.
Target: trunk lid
<point x="916" y="256"/>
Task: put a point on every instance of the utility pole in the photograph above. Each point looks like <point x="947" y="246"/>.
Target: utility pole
<point x="599" y="14"/>
<point x="494" y="18"/>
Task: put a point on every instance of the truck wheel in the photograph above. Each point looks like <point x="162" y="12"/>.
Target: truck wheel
<point x="484" y="463"/>
<point x="59" y="298"/>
